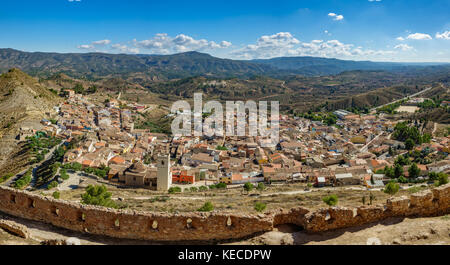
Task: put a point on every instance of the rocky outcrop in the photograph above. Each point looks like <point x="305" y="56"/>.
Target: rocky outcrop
<point x="15" y="228"/>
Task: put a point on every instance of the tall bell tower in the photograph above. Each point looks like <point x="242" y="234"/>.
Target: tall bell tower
<point x="164" y="176"/>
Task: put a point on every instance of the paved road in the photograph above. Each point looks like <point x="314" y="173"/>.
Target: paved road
<point x="434" y="128"/>
<point x="365" y="148"/>
<point x="398" y="100"/>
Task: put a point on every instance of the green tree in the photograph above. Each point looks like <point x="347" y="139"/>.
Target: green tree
<point x="391" y="151"/>
<point x="221" y="185"/>
<point x="330" y="120"/>
<point x="52" y="185"/>
<point x="392" y="188"/>
<point x="259" y="206"/>
<point x="409" y="144"/>
<point x="331" y="200"/>
<point x="78" y="88"/>
<point x="100" y="173"/>
<point x="426" y="138"/>
<point x="433" y="176"/>
<point x="414" y="171"/>
<point x="402" y="179"/>
<point x="248" y="187"/>
<point x="63" y="174"/>
<point x="389" y="172"/>
<point x="398" y="171"/>
<point x="261" y="186"/>
<point x="6" y="177"/>
<point x="207" y="207"/>
<point x="24" y="180"/>
<point x="173" y="190"/>
<point x="442" y="179"/>
<point x="76" y="166"/>
<point x="402" y="160"/>
<point x="98" y="195"/>
<point x="56" y="195"/>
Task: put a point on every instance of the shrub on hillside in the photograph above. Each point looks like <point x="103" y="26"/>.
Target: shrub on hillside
<point x="98" y="195"/>
<point x="56" y="195"/>
<point x="207" y="207"/>
<point x="259" y="206"/>
<point x="248" y="187"/>
<point x="392" y="188"/>
<point x="221" y="186"/>
<point x="442" y="179"/>
<point x="331" y="200"/>
<point x="173" y="190"/>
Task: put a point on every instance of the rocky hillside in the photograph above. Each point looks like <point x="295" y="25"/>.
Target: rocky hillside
<point x="23" y="103"/>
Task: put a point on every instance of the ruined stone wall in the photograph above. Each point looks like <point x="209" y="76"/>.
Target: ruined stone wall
<point x="131" y="224"/>
<point x="211" y="226"/>
<point x="433" y="202"/>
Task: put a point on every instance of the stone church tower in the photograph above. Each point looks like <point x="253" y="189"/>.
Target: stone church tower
<point x="164" y="177"/>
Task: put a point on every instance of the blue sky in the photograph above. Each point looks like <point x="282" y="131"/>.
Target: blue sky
<point x="383" y="30"/>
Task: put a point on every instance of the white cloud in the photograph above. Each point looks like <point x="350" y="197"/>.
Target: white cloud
<point x="101" y="42"/>
<point x="419" y="36"/>
<point x="163" y="43"/>
<point x="336" y="16"/>
<point x="269" y="46"/>
<point x="403" y="47"/>
<point x="225" y="44"/>
<point x="444" y="35"/>
<point x="400" y="39"/>
<point x="74" y="1"/>
<point x="86" y="47"/>
<point x="124" y="48"/>
<point x="374" y="0"/>
<point x="284" y="44"/>
<point x="94" y="45"/>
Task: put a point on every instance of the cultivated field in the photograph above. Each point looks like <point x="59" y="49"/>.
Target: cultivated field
<point x="409" y="109"/>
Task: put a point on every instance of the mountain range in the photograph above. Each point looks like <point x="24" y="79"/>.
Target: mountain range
<point x="182" y="65"/>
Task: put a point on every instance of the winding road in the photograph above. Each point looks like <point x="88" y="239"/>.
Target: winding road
<point x="398" y="100"/>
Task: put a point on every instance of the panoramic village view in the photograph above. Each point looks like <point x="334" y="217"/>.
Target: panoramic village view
<point x="88" y="155"/>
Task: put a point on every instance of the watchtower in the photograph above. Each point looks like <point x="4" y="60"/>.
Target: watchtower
<point x="164" y="176"/>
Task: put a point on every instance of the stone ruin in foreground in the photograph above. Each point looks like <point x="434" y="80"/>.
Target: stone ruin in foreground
<point x="128" y="224"/>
